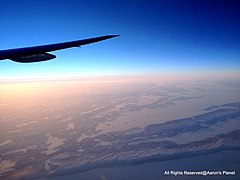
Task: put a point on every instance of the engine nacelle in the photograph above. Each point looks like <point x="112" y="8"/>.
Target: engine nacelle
<point x="34" y="58"/>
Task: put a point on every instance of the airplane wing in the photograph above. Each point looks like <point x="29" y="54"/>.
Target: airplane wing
<point x="40" y="53"/>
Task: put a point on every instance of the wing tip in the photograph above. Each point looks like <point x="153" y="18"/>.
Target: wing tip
<point x="112" y="36"/>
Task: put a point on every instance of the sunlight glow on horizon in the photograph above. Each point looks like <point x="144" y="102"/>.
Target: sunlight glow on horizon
<point x="208" y="75"/>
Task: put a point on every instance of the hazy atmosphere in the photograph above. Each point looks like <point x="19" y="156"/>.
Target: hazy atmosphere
<point x="81" y="127"/>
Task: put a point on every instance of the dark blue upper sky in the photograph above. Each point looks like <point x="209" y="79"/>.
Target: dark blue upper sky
<point x="156" y="36"/>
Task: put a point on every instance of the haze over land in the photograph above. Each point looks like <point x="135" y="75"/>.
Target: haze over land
<point x="78" y="125"/>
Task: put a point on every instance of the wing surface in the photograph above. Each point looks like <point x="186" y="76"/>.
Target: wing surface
<point x="40" y="53"/>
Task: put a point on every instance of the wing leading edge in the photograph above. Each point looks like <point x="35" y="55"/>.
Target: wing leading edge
<point x="40" y="53"/>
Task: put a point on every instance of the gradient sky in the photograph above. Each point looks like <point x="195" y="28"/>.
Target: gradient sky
<point x="156" y="36"/>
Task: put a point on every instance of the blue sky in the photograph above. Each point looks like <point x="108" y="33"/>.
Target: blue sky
<point x="156" y="36"/>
